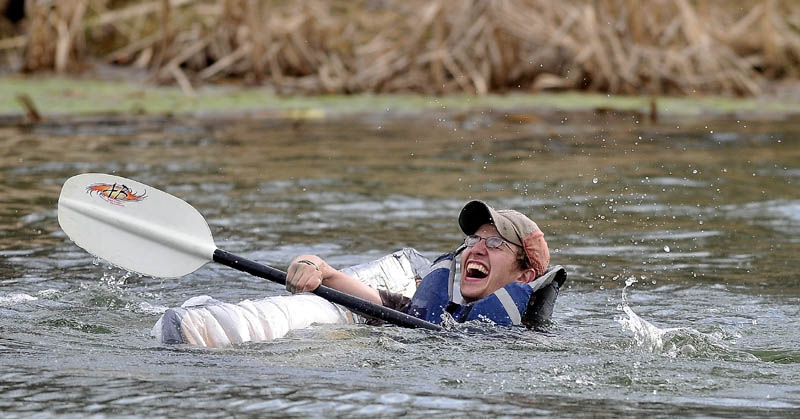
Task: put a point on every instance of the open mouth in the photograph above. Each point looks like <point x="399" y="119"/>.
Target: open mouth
<point x="476" y="271"/>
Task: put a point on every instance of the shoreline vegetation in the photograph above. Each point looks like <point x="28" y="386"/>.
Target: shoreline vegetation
<point x="187" y="57"/>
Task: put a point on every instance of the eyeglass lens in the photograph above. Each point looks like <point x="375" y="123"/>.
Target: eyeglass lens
<point x="492" y="242"/>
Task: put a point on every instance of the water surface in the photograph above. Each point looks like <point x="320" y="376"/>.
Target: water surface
<point x="680" y="239"/>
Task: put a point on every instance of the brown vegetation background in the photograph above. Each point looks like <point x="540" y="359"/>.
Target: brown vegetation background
<point x="732" y="47"/>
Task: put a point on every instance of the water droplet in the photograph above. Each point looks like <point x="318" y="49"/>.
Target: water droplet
<point x="666" y="249"/>
<point x="595" y="180"/>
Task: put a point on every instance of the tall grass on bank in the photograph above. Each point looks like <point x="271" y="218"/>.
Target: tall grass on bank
<point x="430" y="47"/>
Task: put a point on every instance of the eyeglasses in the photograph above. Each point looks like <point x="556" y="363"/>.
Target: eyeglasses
<point x="492" y="242"/>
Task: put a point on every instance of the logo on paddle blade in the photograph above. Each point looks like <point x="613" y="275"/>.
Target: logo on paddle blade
<point x="116" y="194"/>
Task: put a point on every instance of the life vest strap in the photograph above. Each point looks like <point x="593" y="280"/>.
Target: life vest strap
<point x="509" y="305"/>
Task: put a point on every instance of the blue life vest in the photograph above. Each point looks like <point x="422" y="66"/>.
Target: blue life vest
<point x="516" y="303"/>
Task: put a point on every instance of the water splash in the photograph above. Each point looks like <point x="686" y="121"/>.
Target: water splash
<point x="115" y="277"/>
<point x="679" y="341"/>
<point x="645" y="334"/>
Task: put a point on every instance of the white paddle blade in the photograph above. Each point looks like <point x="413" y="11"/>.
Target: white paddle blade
<point x="134" y="226"/>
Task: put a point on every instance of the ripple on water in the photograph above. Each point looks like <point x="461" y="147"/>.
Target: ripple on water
<point x="14" y="299"/>
<point x="673" y="181"/>
<point x="780" y="215"/>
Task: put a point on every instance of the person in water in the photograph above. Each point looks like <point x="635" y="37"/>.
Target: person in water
<point x="504" y="274"/>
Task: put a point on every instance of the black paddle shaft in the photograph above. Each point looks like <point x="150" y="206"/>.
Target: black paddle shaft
<point x="358" y="305"/>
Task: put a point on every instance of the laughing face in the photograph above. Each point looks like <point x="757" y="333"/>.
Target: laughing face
<point x="485" y="270"/>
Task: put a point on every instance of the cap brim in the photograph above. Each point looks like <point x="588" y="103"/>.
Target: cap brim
<point x="473" y="216"/>
<point x="477" y="213"/>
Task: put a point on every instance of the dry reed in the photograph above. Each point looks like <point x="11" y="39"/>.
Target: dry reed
<point x="430" y="47"/>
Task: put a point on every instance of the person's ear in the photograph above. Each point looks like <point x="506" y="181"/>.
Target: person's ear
<point x="526" y="276"/>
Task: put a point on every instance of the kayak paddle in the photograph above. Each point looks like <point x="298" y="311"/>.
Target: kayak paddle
<point x="144" y="230"/>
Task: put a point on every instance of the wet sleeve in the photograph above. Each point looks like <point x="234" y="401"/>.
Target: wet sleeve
<point x="394" y="300"/>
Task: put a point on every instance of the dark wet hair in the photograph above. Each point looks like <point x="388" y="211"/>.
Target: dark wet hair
<point x="522" y="259"/>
